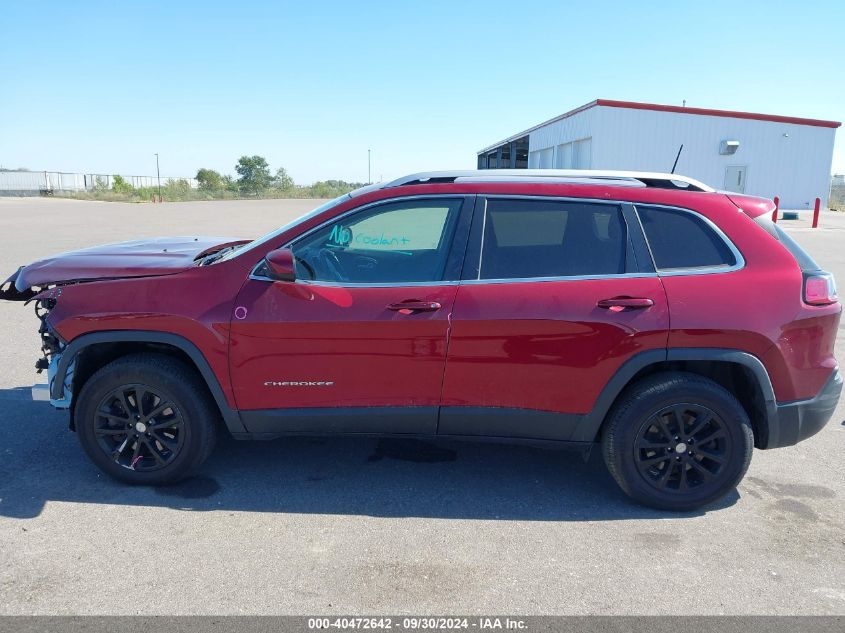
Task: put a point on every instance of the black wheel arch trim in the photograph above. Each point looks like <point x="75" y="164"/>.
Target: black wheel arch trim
<point x="231" y="416"/>
<point x="588" y="429"/>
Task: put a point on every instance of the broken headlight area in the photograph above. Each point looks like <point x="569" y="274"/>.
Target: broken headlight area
<point x="9" y="290"/>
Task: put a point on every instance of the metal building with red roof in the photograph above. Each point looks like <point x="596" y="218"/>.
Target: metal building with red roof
<point x="760" y="154"/>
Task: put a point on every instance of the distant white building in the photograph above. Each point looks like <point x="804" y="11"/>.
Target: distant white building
<point x="759" y="154"/>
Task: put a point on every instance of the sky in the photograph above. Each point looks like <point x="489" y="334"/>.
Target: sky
<point x="100" y="87"/>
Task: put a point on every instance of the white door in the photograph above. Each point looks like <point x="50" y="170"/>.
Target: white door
<point x="582" y="153"/>
<point x="735" y="178"/>
<point x="563" y="156"/>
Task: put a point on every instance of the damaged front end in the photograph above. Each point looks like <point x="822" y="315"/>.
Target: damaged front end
<point x="9" y="291"/>
<point x="44" y="281"/>
<point x="52" y="346"/>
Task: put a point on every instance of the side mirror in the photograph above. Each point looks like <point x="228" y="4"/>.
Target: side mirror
<point x="280" y="265"/>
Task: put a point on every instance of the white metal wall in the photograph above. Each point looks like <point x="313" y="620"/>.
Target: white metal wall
<point x="556" y="144"/>
<point x="781" y="159"/>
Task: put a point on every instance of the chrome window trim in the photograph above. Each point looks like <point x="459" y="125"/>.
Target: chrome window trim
<point x="449" y="196"/>
<point x="407" y="284"/>
<point x="522" y="280"/>
<point x="483" y="233"/>
<point x="739" y="260"/>
<point x="418" y="284"/>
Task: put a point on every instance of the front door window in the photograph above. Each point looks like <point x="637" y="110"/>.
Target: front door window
<point x="400" y="242"/>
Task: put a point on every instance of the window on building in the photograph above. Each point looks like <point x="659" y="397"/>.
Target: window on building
<point x="543" y="238"/>
<point x="505" y="161"/>
<point x="680" y="240"/>
<point x="521" y="150"/>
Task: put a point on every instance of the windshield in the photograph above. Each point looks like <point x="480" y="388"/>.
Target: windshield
<point x="272" y="236"/>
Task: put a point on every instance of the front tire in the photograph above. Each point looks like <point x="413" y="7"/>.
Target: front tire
<point x="146" y="419"/>
<point x="677" y="441"/>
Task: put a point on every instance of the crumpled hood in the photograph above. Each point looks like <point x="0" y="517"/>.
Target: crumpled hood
<point x="138" y="258"/>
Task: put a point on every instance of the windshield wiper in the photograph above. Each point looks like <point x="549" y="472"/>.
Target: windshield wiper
<point x="213" y="257"/>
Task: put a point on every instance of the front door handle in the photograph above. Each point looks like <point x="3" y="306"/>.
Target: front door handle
<point x="409" y="307"/>
<point x="617" y="304"/>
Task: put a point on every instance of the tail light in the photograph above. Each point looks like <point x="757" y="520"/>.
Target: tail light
<point x="819" y="288"/>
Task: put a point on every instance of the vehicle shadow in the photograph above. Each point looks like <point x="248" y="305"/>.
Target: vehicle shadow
<point x="41" y="462"/>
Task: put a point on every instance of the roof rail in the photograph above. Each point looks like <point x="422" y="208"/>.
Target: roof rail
<point x="569" y="176"/>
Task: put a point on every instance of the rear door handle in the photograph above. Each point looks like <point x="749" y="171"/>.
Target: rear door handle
<point x="409" y="307"/>
<point x="617" y="304"/>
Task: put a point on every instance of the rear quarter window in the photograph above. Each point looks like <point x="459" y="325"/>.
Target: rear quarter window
<point x="801" y="256"/>
<point x="681" y="240"/>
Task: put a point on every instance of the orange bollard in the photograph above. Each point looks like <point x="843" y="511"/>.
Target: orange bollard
<point x="775" y="212"/>
<point x="816" y="213"/>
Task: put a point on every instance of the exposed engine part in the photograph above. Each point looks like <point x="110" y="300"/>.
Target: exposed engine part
<point x="51" y="345"/>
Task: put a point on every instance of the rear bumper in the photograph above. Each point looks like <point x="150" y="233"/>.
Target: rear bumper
<point x="799" y="420"/>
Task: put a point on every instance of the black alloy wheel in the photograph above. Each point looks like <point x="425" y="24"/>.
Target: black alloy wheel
<point x="146" y="418"/>
<point x="682" y="447"/>
<point x="677" y="441"/>
<point x="139" y="427"/>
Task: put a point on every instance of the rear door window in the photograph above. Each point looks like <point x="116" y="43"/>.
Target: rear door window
<point x="549" y="238"/>
<point x="681" y="240"/>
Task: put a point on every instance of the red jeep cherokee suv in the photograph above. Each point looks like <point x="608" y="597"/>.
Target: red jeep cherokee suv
<point x="676" y="325"/>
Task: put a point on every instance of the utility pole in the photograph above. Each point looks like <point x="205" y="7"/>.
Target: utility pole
<point x="158" y="175"/>
<point x="369" y="168"/>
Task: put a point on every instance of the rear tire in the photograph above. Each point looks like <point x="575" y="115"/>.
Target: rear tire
<point x="146" y="419"/>
<point x="677" y="441"/>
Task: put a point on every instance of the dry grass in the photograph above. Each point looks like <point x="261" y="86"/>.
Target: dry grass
<point x="836" y="202"/>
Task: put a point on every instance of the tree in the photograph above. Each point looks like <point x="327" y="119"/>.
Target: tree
<point x="229" y="184"/>
<point x="332" y="188"/>
<point x="283" y="180"/>
<point x="254" y="174"/>
<point x="177" y="189"/>
<point x="209" y="180"/>
<point x="119" y="185"/>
